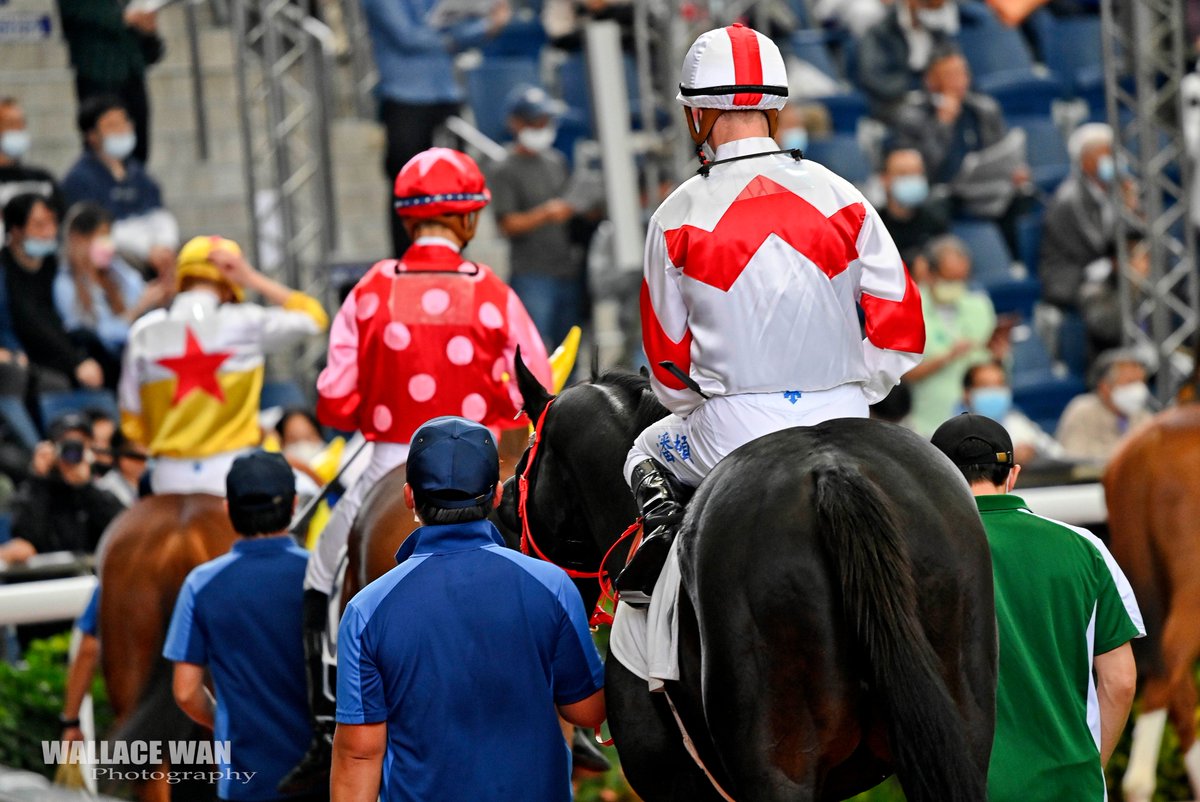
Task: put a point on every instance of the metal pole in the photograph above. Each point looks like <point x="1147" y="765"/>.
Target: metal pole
<point x="240" y="46"/>
<point x="197" y="64"/>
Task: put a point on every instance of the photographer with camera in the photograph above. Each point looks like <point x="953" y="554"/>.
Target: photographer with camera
<point x="59" y="508"/>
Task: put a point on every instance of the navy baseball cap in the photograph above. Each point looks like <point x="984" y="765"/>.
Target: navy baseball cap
<point x="969" y="439"/>
<point x="453" y="463"/>
<point x="530" y="103"/>
<point x="260" y="478"/>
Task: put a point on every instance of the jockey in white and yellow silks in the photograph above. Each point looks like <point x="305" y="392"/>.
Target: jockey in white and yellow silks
<point x="193" y="373"/>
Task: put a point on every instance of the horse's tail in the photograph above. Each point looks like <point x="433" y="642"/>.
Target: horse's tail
<point x="927" y="735"/>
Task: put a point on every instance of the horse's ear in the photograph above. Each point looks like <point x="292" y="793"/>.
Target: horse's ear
<point x="645" y="371"/>
<point x="535" y="396"/>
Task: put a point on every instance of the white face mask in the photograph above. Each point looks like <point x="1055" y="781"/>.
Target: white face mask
<point x="1130" y="399"/>
<point x="119" y="146"/>
<point x="15" y="144"/>
<point x="537" y="139"/>
<point x="305" y="450"/>
<point x="944" y="19"/>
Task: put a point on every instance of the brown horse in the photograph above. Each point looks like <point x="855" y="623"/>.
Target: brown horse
<point x="145" y="555"/>
<point x="1152" y="486"/>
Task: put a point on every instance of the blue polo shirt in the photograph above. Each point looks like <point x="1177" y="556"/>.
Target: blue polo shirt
<point x="465" y="649"/>
<point x="89" y="620"/>
<point x="240" y="615"/>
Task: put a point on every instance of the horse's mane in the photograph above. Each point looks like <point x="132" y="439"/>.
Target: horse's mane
<point x="636" y="388"/>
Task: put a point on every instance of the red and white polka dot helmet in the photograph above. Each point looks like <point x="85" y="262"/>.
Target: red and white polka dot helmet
<point x="440" y="181"/>
<point x="733" y="69"/>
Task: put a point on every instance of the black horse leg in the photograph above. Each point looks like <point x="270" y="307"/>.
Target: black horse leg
<point x="648" y="741"/>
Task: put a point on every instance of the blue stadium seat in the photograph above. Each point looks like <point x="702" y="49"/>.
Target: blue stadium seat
<point x="812" y="46"/>
<point x="282" y="394"/>
<point x="1029" y="353"/>
<point x="576" y="92"/>
<point x="54" y="405"/>
<point x="488" y="87"/>
<point x="1046" y="151"/>
<point x="990" y="260"/>
<point x="1021" y="93"/>
<point x="521" y="38"/>
<point x="1043" y="396"/>
<point x="1073" y="343"/>
<point x="994" y="48"/>
<point x="1070" y="46"/>
<point x="845" y="110"/>
<point x="5" y="527"/>
<point x="841" y="154"/>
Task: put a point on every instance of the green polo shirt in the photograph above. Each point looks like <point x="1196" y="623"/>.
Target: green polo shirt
<point x="1061" y="600"/>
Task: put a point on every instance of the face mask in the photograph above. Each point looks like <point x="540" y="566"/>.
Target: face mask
<point x="944" y="19"/>
<point x="119" y="146"/>
<point x="793" y="139"/>
<point x="537" y="139"/>
<point x="948" y="293"/>
<point x="1131" y="399"/>
<point x="991" y="402"/>
<point x="1106" y="169"/>
<point x="15" y="144"/>
<point x="39" y="248"/>
<point x="304" y="451"/>
<point x="910" y="191"/>
<point x="101" y="251"/>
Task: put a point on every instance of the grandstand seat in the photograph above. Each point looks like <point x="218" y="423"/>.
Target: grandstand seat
<point x="520" y="38"/>
<point x="5" y="527"/>
<point x="576" y="92"/>
<point x="488" y="87"/>
<point x="994" y="48"/>
<point x="1070" y="46"/>
<point x="54" y="405"/>
<point x="1073" y="343"/>
<point x="813" y="47"/>
<point x="990" y="260"/>
<point x="1029" y="353"/>
<point x="845" y="110"/>
<point x="841" y="154"/>
<point x="1029" y="240"/>
<point x="282" y="394"/>
<point x="1021" y="93"/>
<point x="1043" y="395"/>
<point x="1046" y="151"/>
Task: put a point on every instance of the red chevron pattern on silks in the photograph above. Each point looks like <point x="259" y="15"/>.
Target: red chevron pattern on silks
<point x="747" y="63"/>
<point x="718" y="257"/>
<point x="660" y="347"/>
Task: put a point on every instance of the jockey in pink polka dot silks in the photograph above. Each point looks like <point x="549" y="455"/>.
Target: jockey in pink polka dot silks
<point x="427" y="335"/>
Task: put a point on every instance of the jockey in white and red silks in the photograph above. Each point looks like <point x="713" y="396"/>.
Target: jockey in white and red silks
<point x="428" y="335"/>
<point x="754" y="272"/>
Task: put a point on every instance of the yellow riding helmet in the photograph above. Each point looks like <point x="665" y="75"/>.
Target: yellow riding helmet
<point x="194" y="262"/>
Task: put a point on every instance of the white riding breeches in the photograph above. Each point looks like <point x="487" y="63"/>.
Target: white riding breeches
<point x="691" y="447"/>
<point x="323" y="562"/>
<point x="207" y="475"/>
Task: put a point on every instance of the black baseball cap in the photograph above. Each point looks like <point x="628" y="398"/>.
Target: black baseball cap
<point x="70" y="422"/>
<point x="969" y="439"/>
<point x="260" y="479"/>
<point x="453" y="463"/>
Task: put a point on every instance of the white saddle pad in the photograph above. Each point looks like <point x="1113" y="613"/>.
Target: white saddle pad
<point x="646" y="639"/>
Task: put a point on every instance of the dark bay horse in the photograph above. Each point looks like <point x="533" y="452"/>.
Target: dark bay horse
<point x="145" y="555"/>
<point x="1152" y="488"/>
<point x="837" y="621"/>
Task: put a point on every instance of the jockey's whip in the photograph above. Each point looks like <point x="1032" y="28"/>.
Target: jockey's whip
<point x="304" y="514"/>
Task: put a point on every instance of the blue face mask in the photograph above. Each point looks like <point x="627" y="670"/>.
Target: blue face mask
<point x="991" y="402"/>
<point x="36" y="248"/>
<point x="1106" y="169"/>
<point x="910" y="191"/>
<point x="793" y="139"/>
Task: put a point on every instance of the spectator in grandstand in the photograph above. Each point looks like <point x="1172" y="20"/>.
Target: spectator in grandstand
<point x="103" y="427"/>
<point x="959" y="323"/>
<point x="946" y="122"/>
<point x="1094" y="424"/>
<point x="106" y="173"/>
<point x="128" y="460"/>
<point x="911" y="215"/>
<point x="417" y="90"/>
<point x="238" y="618"/>
<point x="894" y="52"/>
<point x="16" y="177"/>
<point x="986" y="392"/>
<point x="300" y="434"/>
<point x="563" y="20"/>
<point x="1100" y="301"/>
<point x="527" y="199"/>
<point x="537" y="630"/>
<point x="97" y="294"/>
<point x="800" y="123"/>
<point x="30" y="263"/>
<point x="1079" y="226"/>
<point x="111" y="45"/>
<point x="59" y="508"/>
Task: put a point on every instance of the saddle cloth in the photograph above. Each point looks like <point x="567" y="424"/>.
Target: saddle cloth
<point x="646" y="639"/>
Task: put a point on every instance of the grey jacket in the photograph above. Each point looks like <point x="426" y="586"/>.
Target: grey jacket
<point x="1076" y="231"/>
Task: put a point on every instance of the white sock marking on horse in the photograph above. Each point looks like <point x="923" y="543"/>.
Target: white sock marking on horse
<point x="1142" y="775"/>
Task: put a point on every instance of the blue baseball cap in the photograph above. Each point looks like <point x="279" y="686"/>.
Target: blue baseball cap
<point x="260" y="479"/>
<point x="528" y="102"/>
<point x="453" y="463"/>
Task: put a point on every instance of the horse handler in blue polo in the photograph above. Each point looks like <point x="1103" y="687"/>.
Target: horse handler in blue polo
<point x="454" y="666"/>
<point x="239" y="616"/>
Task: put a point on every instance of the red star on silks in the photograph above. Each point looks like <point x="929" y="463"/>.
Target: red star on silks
<point x="719" y="257"/>
<point x="196" y="369"/>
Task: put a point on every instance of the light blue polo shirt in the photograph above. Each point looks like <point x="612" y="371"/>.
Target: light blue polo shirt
<point x="240" y="615"/>
<point x="465" y="649"/>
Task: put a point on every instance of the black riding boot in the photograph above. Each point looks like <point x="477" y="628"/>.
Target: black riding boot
<point x="662" y="511"/>
<point x="313" y="769"/>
